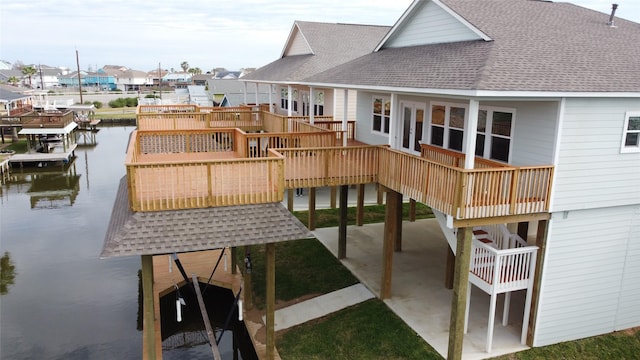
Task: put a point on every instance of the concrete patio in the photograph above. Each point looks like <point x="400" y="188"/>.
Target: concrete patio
<point x="419" y="296"/>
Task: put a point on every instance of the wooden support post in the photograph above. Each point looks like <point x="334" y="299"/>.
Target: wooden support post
<point x="333" y="197"/>
<point x="412" y="210"/>
<point x="342" y="222"/>
<point x="460" y="289"/>
<point x="390" y="233"/>
<point x="397" y="244"/>
<point x="541" y="243"/>
<point x="312" y="209"/>
<point x="449" y="269"/>
<point x="148" y="316"/>
<point x="247" y="288"/>
<point x="360" y="206"/>
<point x="271" y="299"/>
<point x="205" y="317"/>
<point x="290" y="199"/>
<point x="380" y="193"/>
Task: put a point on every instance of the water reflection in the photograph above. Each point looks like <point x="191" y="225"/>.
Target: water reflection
<point x="7" y="273"/>
<point x="47" y="187"/>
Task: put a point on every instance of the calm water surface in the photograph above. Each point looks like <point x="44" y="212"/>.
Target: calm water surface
<point x="65" y="302"/>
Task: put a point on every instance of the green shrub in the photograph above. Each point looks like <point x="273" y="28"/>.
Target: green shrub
<point x="151" y="96"/>
<point x="97" y="104"/>
<point x="123" y="102"/>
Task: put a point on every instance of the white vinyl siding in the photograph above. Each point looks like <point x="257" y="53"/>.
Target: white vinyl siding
<point x="533" y="132"/>
<point x="430" y="24"/>
<point x="629" y="302"/>
<point x="338" y="114"/>
<point x="583" y="274"/>
<point x="591" y="172"/>
<point x="297" y="45"/>
<point x="365" y="120"/>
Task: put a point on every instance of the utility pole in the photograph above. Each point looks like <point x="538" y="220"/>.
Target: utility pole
<point x="160" y="82"/>
<point x="79" y="78"/>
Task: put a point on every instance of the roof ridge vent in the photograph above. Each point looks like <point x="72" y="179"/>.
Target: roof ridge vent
<point x="613" y="12"/>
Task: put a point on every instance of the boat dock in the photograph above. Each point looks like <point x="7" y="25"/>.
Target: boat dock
<point x="48" y="158"/>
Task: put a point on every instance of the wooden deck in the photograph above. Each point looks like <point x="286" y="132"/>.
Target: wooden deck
<point x="176" y="169"/>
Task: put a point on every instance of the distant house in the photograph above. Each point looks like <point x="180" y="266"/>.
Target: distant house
<point x="6" y="74"/>
<point x="524" y="84"/>
<point x="199" y="96"/>
<point x="71" y="80"/>
<point x="177" y="80"/>
<point x="201" y="79"/>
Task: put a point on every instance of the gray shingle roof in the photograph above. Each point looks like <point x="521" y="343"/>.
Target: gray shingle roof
<point x="537" y="46"/>
<point x="332" y="44"/>
<point x="163" y="232"/>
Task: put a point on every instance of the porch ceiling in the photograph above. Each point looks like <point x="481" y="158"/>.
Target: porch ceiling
<point x="162" y="232"/>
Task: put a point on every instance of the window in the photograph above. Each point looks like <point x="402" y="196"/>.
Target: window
<point x="318" y="107"/>
<point x="284" y="98"/>
<point x="447" y="126"/>
<point x="381" y="114"/>
<point x="631" y="133"/>
<point x="493" y="140"/>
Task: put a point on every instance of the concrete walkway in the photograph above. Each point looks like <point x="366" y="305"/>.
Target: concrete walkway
<point x="320" y="306"/>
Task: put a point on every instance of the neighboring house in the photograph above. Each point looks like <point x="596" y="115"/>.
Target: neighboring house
<point x="126" y="79"/>
<point x="177" y="80"/>
<point x="235" y="93"/>
<point x="199" y="96"/>
<point x="522" y="83"/>
<point x="14" y="102"/>
<point x="5" y="65"/>
<point x="101" y="80"/>
<point x="46" y="77"/>
<point x="71" y="79"/>
<point x="312" y="48"/>
<point x="6" y="74"/>
<point x="201" y="79"/>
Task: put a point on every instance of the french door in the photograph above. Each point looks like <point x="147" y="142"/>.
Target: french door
<point x="412" y="115"/>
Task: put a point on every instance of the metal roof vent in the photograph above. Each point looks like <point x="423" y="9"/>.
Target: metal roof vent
<point x="613" y="12"/>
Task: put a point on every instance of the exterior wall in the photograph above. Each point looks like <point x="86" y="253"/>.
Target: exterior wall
<point x="364" y="116"/>
<point x="591" y="172"/>
<point x="430" y="25"/>
<point x="297" y="45"/>
<point x="533" y="132"/>
<point x="589" y="286"/>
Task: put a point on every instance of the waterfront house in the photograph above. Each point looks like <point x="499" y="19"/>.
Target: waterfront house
<point x="521" y="84"/>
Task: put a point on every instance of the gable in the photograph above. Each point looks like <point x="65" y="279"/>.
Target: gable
<point x="297" y="44"/>
<point x="429" y="23"/>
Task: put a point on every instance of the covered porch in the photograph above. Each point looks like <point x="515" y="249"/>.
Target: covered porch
<point x="418" y="292"/>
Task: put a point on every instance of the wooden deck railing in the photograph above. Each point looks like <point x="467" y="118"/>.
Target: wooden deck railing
<point x="47" y="120"/>
<point x="172" y="121"/>
<point x="167" y="109"/>
<point x="454" y="158"/>
<point x="156" y="184"/>
<point x="337" y="127"/>
<point x="259" y="143"/>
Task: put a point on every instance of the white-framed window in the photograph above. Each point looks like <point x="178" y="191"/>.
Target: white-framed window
<point x="284" y="98"/>
<point x="318" y="107"/>
<point x="447" y="125"/>
<point x="631" y="132"/>
<point x="495" y="129"/>
<point x="381" y="114"/>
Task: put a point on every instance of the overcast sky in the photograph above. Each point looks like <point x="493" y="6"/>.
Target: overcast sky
<point x="223" y="33"/>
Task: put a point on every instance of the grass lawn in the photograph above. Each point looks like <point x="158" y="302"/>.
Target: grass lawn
<point x="368" y="330"/>
<point x="19" y="146"/>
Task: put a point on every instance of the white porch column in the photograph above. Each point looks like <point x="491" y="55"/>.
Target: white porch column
<point x="244" y="90"/>
<point x="290" y="100"/>
<point x="257" y="93"/>
<point x="271" y="108"/>
<point x="312" y="104"/>
<point x="393" y="124"/>
<point x="471" y="132"/>
<point x="345" y="117"/>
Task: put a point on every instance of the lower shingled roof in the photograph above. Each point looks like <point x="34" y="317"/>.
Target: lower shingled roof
<point x="163" y="232"/>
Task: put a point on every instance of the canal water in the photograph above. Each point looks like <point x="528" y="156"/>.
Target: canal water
<point x="58" y="299"/>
